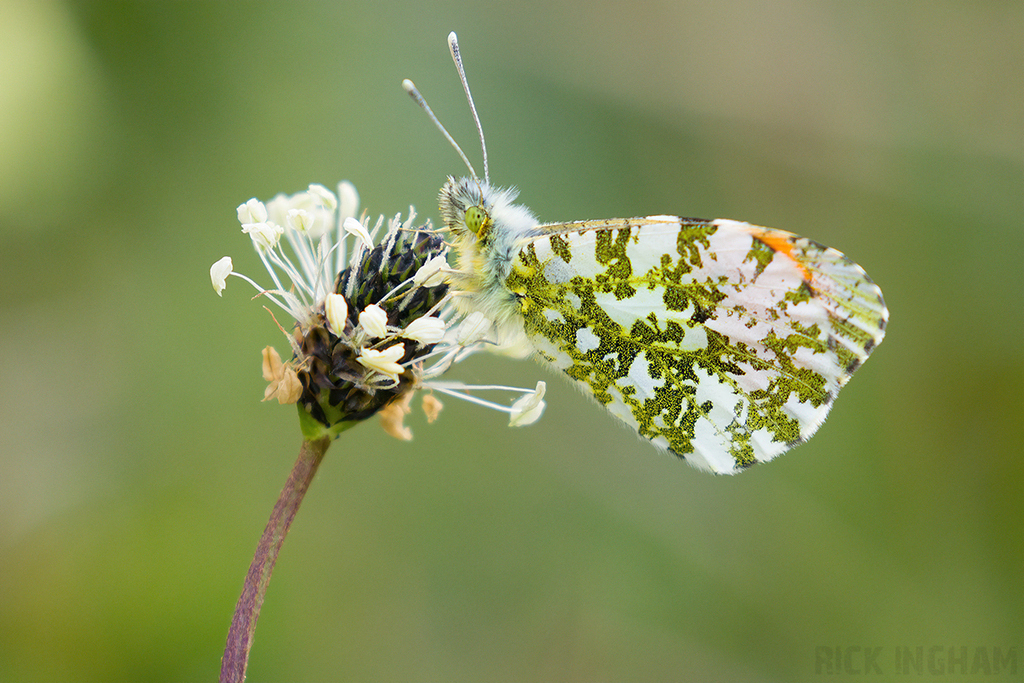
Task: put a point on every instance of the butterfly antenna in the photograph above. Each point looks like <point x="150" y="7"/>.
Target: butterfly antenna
<point x="410" y="88"/>
<point x="453" y="45"/>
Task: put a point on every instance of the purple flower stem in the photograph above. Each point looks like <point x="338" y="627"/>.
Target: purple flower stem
<point x="247" y="611"/>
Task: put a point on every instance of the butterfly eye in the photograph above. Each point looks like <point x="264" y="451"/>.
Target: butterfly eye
<point x="475" y="219"/>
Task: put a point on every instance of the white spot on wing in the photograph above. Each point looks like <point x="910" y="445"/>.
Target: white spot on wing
<point x="764" y="445"/>
<point x="723" y="397"/>
<point x="557" y="271"/>
<point x="640" y="377"/>
<point x="586" y="340"/>
<point x="553" y="316"/>
<point x="708" y="453"/>
<point x="695" y="339"/>
<point x="626" y="311"/>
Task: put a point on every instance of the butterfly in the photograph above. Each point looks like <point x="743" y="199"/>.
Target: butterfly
<point x="722" y="342"/>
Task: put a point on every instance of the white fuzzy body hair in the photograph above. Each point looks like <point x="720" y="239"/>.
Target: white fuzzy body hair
<point x="485" y="258"/>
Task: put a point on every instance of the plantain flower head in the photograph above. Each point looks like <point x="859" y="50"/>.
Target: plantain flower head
<point x="374" y="318"/>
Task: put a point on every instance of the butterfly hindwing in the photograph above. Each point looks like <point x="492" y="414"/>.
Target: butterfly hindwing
<point x="721" y="341"/>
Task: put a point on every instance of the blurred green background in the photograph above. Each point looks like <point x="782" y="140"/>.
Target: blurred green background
<point x="138" y="467"/>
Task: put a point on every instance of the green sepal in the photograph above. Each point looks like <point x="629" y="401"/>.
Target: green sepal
<point x="312" y="429"/>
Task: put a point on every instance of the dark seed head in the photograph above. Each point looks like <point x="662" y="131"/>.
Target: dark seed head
<point x="327" y="365"/>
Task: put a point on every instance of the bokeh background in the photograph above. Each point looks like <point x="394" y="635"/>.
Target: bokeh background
<point x="138" y="466"/>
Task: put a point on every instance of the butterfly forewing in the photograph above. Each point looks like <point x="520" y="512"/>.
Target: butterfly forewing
<point x="721" y="341"/>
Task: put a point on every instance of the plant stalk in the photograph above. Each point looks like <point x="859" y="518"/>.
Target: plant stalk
<point x="247" y="611"/>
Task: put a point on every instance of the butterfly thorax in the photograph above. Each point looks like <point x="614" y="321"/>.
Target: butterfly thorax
<point x="486" y="241"/>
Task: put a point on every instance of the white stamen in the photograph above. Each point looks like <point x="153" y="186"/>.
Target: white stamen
<point x="474" y="328"/>
<point x="219" y="272"/>
<point x="336" y="309"/>
<point x="429" y="274"/>
<point x="348" y="205"/>
<point x="385" y="362"/>
<point x="425" y="330"/>
<point x="300" y="220"/>
<point x="324" y="196"/>
<point x="374" y="321"/>
<point x="529" y="408"/>
<point x="354" y="227"/>
<point x="264" y="235"/>
<point x="348" y="200"/>
<point x="253" y="211"/>
<point x="532" y="402"/>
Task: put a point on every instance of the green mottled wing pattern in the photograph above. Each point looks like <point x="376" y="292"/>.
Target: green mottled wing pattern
<point x="721" y="341"/>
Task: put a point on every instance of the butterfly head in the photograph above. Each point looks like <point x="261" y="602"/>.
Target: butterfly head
<point x="474" y="210"/>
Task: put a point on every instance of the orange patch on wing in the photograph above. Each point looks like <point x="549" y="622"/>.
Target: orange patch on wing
<point x="780" y="242"/>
